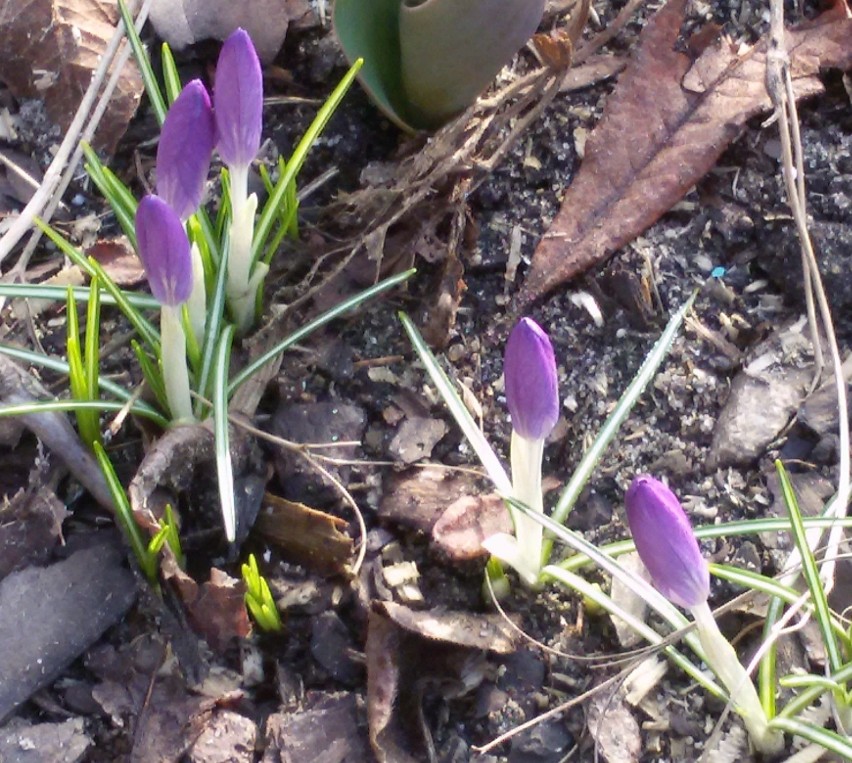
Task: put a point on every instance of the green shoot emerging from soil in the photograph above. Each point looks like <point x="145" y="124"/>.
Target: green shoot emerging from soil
<point x="259" y="598"/>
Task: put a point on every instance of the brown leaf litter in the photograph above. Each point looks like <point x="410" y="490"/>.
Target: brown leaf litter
<point x="663" y="128"/>
<point x="398" y="678"/>
<point x="51" y="49"/>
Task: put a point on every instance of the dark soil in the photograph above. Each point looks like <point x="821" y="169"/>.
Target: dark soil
<point x="301" y="695"/>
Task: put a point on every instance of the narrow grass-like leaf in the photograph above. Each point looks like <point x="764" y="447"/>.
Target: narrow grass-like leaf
<point x="152" y="374"/>
<point x="475" y="436"/>
<point x="93" y="340"/>
<point x="805" y="681"/>
<point x="81" y="294"/>
<point x="224" y="468"/>
<point x="122" y="201"/>
<point x="224" y="213"/>
<point x="659" y="603"/>
<point x="637" y="386"/>
<point x="211" y="238"/>
<point x="767" y="669"/>
<point x="754" y="581"/>
<point x="171" y="78"/>
<point x="60" y="366"/>
<point x="193" y="350"/>
<point x="87" y="420"/>
<point x="168" y="534"/>
<point x="212" y="331"/>
<point x="92" y="267"/>
<point x="288" y="221"/>
<point x="270" y="209"/>
<point x="724" y="529"/>
<point x="329" y="315"/>
<point x="810" y="571"/>
<point x="146" y="331"/>
<point x="198" y="236"/>
<point x="586" y="589"/>
<point x="51" y="406"/>
<point x="826" y="739"/>
<point x="68" y="249"/>
<point x="124" y="516"/>
<point x="140" y="54"/>
<point x="807" y="697"/>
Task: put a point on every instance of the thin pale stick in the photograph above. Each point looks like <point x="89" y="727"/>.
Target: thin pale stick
<point x="88" y="134"/>
<point x="53" y="176"/>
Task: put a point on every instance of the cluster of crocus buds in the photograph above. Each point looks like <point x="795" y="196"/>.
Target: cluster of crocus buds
<point x="669" y="550"/>
<point x="192" y="128"/>
<point x="532" y="395"/>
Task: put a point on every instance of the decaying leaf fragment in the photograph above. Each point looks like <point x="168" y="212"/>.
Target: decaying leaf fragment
<point x="398" y="677"/>
<point x="665" y="125"/>
<point x="312" y="537"/>
<point x="50" y="50"/>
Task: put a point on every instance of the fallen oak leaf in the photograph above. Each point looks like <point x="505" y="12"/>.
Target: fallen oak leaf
<point x="662" y="130"/>
<point x="51" y="48"/>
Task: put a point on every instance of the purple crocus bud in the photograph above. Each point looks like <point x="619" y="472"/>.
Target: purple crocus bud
<point x="532" y="392"/>
<point x="186" y="144"/>
<point x="665" y="542"/>
<point x="238" y="99"/>
<point x="164" y="251"/>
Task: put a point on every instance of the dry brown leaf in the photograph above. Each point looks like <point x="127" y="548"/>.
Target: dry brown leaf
<point x="663" y="128"/>
<point x="312" y="537"/>
<point x="215" y="609"/>
<point x="473" y="631"/>
<point x="50" y="50"/>
<point x="398" y="676"/>
<point x="118" y="259"/>
<point x="467" y="522"/>
<point x="418" y="498"/>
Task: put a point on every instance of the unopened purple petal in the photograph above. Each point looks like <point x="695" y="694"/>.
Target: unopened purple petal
<point x="666" y="543"/>
<point x="164" y="251"/>
<point x="186" y="144"/>
<point x="238" y="100"/>
<point x="532" y="392"/>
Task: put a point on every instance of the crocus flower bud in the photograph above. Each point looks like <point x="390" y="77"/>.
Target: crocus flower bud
<point x="186" y="144"/>
<point x="164" y="251"/>
<point x="666" y="543"/>
<point x="532" y="392"/>
<point x="238" y="99"/>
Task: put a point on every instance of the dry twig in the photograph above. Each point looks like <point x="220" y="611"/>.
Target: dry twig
<point x="779" y="85"/>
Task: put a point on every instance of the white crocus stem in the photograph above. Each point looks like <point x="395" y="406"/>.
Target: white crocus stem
<point x="175" y="372"/>
<point x="526" y="456"/>
<point x="723" y="661"/>
<point x="241" y="288"/>
<point x="197" y="302"/>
